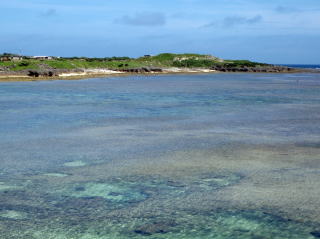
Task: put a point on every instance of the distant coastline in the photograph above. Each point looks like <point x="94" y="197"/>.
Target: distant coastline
<point x="23" y="68"/>
<point x="304" y="66"/>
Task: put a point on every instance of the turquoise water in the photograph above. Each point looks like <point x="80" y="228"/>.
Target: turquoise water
<point x="171" y="156"/>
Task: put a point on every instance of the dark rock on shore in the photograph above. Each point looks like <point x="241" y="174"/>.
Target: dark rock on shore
<point x="50" y="72"/>
<point x="42" y="73"/>
<point x="47" y="71"/>
<point x="258" y="69"/>
<point x="142" y="70"/>
<point x="4" y="68"/>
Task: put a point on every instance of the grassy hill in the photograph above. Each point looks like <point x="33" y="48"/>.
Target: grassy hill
<point x="116" y="63"/>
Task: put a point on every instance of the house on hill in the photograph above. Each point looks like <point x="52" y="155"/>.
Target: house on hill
<point x="42" y="57"/>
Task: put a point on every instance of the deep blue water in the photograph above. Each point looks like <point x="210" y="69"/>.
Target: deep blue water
<point x="170" y="156"/>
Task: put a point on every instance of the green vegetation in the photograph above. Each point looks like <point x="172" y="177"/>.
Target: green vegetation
<point x="8" y="54"/>
<point x="239" y="63"/>
<point x="194" y="63"/>
<point x="64" y="63"/>
<point x="180" y="60"/>
<point x="115" y="63"/>
<point x="20" y="65"/>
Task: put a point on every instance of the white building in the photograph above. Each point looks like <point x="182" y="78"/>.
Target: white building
<point x="42" y="57"/>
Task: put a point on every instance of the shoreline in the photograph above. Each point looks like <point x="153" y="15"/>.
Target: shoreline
<point x="96" y="73"/>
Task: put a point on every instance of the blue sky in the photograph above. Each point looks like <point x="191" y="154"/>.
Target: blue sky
<point x="273" y="31"/>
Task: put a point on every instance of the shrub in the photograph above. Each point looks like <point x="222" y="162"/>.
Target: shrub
<point x="24" y="63"/>
<point x="192" y="62"/>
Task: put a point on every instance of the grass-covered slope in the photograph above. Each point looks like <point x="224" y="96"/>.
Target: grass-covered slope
<point x="116" y="63"/>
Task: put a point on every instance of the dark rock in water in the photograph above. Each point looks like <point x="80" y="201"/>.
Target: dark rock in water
<point x="154" y="228"/>
<point x="175" y="184"/>
<point x="315" y="234"/>
<point x="80" y="189"/>
<point x="115" y="194"/>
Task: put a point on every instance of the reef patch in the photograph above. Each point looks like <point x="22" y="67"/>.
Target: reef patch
<point x="6" y="187"/>
<point x="56" y="175"/>
<point x="112" y="192"/>
<point x="216" y="181"/>
<point x="161" y="227"/>
<point x="12" y="214"/>
<point x="225" y="225"/>
<point x="73" y="164"/>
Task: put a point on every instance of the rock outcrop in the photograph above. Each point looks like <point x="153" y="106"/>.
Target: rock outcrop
<point x="260" y="69"/>
<point x="50" y="72"/>
<point x="142" y="70"/>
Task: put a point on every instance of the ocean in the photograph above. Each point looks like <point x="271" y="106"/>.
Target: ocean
<point x="168" y="156"/>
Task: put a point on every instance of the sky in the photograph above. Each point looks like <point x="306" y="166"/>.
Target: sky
<point x="273" y="31"/>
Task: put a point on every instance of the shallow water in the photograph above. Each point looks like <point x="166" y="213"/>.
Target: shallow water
<point x="172" y="156"/>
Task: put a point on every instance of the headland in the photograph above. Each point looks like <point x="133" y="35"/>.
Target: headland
<point x="25" y="68"/>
